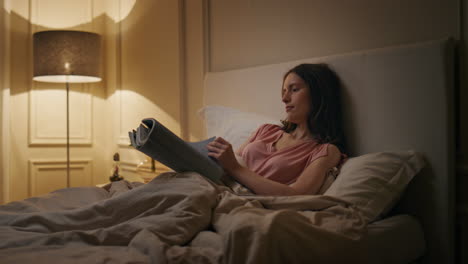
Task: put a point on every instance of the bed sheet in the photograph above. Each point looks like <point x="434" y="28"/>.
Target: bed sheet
<point x="179" y="217"/>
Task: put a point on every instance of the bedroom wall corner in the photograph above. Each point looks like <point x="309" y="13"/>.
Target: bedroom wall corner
<point x="102" y="18"/>
<point x="196" y="58"/>
<point x="111" y="65"/>
<point x="5" y="32"/>
<point x="2" y="76"/>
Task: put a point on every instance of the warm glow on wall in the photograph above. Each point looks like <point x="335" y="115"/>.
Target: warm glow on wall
<point x="49" y="18"/>
<point x="126" y="7"/>
<point x="142" y="107"/>
<point x="7" y="6"/>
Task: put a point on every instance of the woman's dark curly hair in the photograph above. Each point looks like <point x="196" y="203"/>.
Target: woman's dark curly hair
<point x="325" y="119"/>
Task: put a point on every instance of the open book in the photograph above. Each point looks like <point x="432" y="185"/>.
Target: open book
<point x="155" y="140"/>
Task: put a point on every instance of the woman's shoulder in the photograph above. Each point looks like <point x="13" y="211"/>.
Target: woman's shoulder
<point x="332" y="149"/>
<point x="327" y="151"/>
<point x="268" y="129"/>
<point x="335" y="155"/>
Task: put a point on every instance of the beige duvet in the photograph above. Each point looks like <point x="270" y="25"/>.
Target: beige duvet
<point x="178" y="218"/>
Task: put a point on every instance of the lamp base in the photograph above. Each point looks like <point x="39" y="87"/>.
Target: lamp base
<point x="115" y="177"/>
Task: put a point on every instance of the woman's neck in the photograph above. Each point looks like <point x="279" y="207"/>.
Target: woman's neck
<point x="301" y="132"/>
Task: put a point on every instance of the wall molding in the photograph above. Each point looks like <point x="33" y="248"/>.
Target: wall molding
<point x="53" y="171"/>
<point x="41" y="130"/>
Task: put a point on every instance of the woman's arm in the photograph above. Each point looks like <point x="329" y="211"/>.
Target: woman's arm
<point x="309" y="181"/>
<point x="312" y="178"/>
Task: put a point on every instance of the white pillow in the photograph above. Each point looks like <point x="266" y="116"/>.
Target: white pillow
<point x="329" y="180"/>
<point x="374" y="182"/>
<point x="232" y="124"/>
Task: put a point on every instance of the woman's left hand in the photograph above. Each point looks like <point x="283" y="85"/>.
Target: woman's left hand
<point x="221" y="150"/>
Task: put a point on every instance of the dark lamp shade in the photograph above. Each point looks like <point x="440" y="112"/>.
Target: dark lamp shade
<point x="66" y="56"/>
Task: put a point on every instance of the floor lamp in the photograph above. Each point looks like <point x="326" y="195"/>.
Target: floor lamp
<point x="64" y="56"/>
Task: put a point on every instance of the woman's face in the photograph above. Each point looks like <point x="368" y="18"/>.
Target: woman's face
<point x="296" y="97"/>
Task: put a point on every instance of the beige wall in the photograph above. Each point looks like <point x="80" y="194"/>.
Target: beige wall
<point x="245" y="33"/>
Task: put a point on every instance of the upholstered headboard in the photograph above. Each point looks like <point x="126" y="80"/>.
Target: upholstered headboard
<point x="395" y="98"/>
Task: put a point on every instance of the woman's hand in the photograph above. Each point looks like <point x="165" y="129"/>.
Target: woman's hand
<point x="222" y="151"/>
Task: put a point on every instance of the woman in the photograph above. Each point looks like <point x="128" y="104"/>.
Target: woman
<point x="295" y="158"/>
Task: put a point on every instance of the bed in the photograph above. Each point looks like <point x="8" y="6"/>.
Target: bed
<point x="395" y="98"/>
<point x="391" y="203"/>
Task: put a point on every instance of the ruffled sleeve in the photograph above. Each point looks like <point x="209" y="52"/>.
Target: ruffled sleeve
<point x="318" y="152"/>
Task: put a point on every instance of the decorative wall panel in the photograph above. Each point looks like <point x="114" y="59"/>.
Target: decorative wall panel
<point x="49" y="175"/>
<point x="47" y="124"/>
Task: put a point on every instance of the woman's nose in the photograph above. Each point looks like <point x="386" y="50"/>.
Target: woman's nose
<point x="286" y="97"/>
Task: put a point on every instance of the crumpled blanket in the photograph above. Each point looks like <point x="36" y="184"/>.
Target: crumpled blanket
<point x="178" y="218"/>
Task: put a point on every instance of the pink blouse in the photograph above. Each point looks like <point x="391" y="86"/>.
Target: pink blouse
<point x="284" y="165"/>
